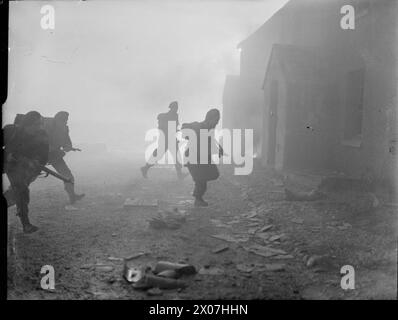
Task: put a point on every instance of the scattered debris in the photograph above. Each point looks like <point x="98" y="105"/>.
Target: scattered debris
<point x="263" y="235"/>
<point x="133" y="203"/>
<point x="211" y="271"/>
<point x="148" y="281"/>
<point x="266" y="228"/>
<point x="298" y="220"/>
<point x="229" y="238"/>
<point x="219" y="224"/>
<point x="168" y="274"/>
<point x="154" y="292"/>
<point x="115" y="259"/>
<point x="135" y="256"/>
<point x="133" y="274"/>
<point x="180" y="269"/>
<point x="265" y="251"/>
<point x="142" y="278"/>
<point x="284" y="256"/>
<point x="244" y="267"/>
<point x="104" y="268"/>
<point x="321" y="262"/>
<point x="252" y="230"/>
<point x="252" y="215"/>
<point x="276" y="237"/>
<point x="69" y="207"/>
<point x="344" y="226"/>
<point x="304" y="196"/>
<point x="220" y="249"/>
<point x="274" y="267"/>
<point x="168" y="220"/>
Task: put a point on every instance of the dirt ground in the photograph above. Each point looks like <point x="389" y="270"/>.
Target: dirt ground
<point x="86" y="246"/>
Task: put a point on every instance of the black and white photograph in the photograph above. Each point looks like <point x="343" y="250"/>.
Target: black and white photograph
<point x="198" y="150"/>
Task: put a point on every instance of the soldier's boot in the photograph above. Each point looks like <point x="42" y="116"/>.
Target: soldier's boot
<point x="73" y="197"/>
<point x="180" y="175"/>
<point x="76" y="197"/>
<point x="199" y="202"/>
<point x="27" y="227"/>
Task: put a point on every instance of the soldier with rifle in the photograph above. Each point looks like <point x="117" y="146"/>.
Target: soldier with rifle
<point x="25" y="152"/>
<point x="60" y="143"/>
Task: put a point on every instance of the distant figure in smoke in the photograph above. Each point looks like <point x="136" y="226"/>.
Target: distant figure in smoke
<point x="60" y="143"/>
<point x="25" y="150"/>
<point x="164" y="120"/>
<point x="202" y="173"/>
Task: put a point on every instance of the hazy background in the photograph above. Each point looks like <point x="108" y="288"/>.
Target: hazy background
<point x="114" y="65"/>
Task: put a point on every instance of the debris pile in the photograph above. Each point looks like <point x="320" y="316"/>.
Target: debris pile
<point x="168" y="219"/>
<point x="165" y="275"/>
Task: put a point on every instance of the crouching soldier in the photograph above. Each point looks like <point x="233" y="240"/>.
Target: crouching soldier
<point x="203" y="172"/>
<point x="25" y="151"/>
<point x="60" y="143"/>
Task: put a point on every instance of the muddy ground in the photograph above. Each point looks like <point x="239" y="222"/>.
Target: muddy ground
<point x="86" y="246"/>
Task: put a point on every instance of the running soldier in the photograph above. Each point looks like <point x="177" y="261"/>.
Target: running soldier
<point x="25" y="151"/>
<point x="203" y="172"/>
<point x="165" y="120"/>
<point x="60" y="143"/>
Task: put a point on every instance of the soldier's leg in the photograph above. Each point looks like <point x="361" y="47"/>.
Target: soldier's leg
<point x="20" y="187"/>
<point x="199" y="191"/>
<point x="144" y="169"/>
<point x="9" y="196"/>
<point x="61" y="167"/>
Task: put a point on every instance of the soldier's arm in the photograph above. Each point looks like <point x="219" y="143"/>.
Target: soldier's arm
<point x="68" y="142"/>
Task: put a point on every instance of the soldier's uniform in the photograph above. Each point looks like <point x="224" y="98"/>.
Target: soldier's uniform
<point x="60" y="143"/>
<point x="24" y="154"/>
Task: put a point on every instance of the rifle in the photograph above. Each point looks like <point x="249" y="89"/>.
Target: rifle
<point x="56" y="175"/>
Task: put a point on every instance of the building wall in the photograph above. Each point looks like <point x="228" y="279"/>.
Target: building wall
<point x="372" y="44"/>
